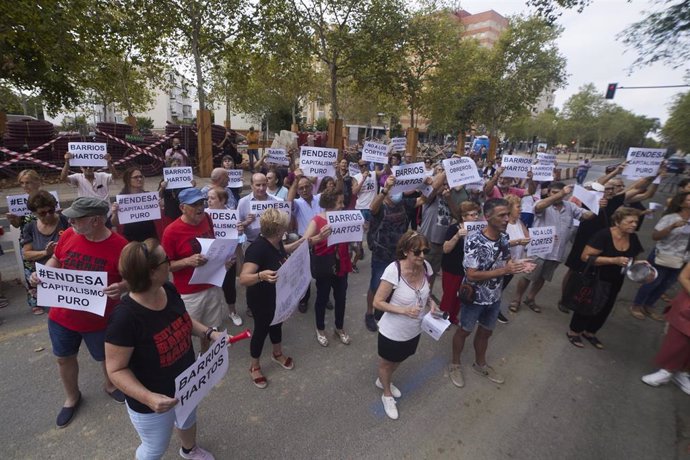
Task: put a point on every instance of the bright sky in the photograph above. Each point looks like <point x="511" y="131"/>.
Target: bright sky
<point x="594" y="55"/>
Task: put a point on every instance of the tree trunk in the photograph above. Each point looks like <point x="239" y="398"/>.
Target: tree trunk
<point x="197" y="64"/>
<point x="334" y="91"/>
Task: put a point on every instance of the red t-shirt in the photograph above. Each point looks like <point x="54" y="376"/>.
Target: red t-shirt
<point x="322" y="248"/>
<point x="179" y="241"/>
<point x="74" y="252"/>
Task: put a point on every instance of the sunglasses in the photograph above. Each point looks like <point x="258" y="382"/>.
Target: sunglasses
<point x="164" y="261"/>
<point x="45" y="213"/>
<point x="418" y="252"/>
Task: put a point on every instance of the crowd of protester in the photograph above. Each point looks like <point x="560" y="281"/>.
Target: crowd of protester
<point x="410" y="239"/>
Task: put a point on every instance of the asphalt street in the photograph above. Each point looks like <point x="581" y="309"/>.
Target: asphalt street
<point x="558" y="402"/>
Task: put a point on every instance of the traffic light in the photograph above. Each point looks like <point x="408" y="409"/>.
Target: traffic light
<point x="611" y="90"/>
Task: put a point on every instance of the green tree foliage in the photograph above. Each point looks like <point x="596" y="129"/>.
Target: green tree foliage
<point x="676" y="131"/>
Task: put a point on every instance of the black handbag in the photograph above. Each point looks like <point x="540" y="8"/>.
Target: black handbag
<point x="325" y="265"/>
<point x="584" y="293"/>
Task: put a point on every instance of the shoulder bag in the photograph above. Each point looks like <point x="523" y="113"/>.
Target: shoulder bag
<point x="584" y="293"/>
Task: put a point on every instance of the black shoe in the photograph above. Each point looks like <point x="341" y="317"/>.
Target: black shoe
<point x="562" y="308"/>
<point x="117" y="395"/>
<point x="249" y="313"/>
<point x="370" y="322"/>
<point x="67" y="414"/>
<point x="302" y="307"/>
<point x="329" y="305"/>
<point x="502" y="319"/>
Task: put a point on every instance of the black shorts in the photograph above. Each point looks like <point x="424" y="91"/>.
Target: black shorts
<point x="397" y="352"/>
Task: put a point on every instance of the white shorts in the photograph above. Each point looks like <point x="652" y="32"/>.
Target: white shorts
<point x="207" y="306"/>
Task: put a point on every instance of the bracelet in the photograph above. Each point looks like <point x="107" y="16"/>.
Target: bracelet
<point x="210" y="331"/>
<point x="258" y="276"/>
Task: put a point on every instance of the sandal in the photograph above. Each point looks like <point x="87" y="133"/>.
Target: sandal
<point x="575" y="340"/>
<point x="287" y="363"/>
<point x="260" y="381"/>
<point x="344" y="338"/>
<point x="514" y="306"/>
<point x="653" y="314"/>
<point x="594" y="341"/>
<point x="532" y="306"/>
<point x="37" y="311"/>
<point x="321" y="338"/>
<point x="3" y="301"/>
<point x="637" y="312"/>
<point x="666" y="298"/>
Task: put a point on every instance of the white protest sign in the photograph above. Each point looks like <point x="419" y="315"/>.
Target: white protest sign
<point x="408" y="178"/>
<point x="353" y="169"/>
<point x="588" y="198"/>
<point x="478" y="186"/>
<point x="426" y="189"/>
<point x="216" y="253"/>
<point x="317" y="161"/>
<point x="546" y="158"/>
<point x="257" y="208"/>
<point x="542" y="173"/>
<point x="178" y="177"/>
<point x="195" y="382"/>
<point x="235" y="179"/>
<point x="277" y="157"/>
<point x="515" y="166"/>
<point x="657" y="180"/>
<point x="434" y="326"/>
<point x="87" y="153"/>
<point x="72" y="289"/>
<point x="224" y="223"/>
<point x="346" y="226"/>
<point x="461" y="171"/>
<point x="294" y="277"/>
<point x="138" y="207"/>
<point x="542" y="240"/>
<point x="375" y="152"/>
<point x="17" y="204"/>
<point x="654" y="206"/>
<point x="643" y="162"/>
<point x="476" y="226"/>
<point x="399" y="144"/>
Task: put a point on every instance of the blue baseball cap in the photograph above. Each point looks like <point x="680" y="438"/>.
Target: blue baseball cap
<point x="190" y="196"/>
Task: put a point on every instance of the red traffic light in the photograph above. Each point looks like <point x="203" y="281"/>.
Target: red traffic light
<point x="611" y="90"/>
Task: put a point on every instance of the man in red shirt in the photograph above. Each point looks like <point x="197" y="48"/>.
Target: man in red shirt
<point x="87" y="245"/>
<point x="204" y="302"/>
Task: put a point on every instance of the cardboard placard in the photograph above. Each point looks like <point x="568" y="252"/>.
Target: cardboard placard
<point x="88" y="153"/>
<point x="408" y="178"/>
<point x="178" y="177"/>
<point x="294" y="277"/>
<point x="375" y="152"/>
<point x="235" y="178"/>
<point x="277" y="157"/>
<point x="318" y="161"/>
<point x="542" y="173"/>
<point x="138" y="207"/>
<point x="399" y="144"/>
<point x="224" y="223"/>
<point x="542" y="240"/>
<point x="80" y="290"/>
<point x="346" y="226"/>
<point x="17" y="204"/>
<point x="515" y="166"/>
<point x="643" y="162"/>
<point x="461" y="171"/>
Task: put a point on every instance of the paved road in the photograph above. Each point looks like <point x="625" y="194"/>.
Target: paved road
<point x="559" y="402"/>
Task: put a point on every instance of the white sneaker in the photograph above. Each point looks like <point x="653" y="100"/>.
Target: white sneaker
<point x="659" y="377"/>
<point x="236" y="319"/>
<point x="682" y="379"/>
<point x="394" y="390"/>
<point x="197" y="453"/>
<point x="389" y="406"/>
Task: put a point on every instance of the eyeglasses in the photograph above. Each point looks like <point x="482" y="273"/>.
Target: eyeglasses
<point x="45" y="213"/>
<point x="164" y="261"/>
<point x="418" y="252"/>
<point x="137" y="177"/>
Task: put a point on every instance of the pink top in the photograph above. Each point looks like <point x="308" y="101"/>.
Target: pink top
<point x="496" y="192"/>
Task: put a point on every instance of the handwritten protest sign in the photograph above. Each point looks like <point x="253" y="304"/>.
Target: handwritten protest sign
<point x="643" y="162"/>
<point x="353" y="169"/>
<point x="461" y="171"/>
<point x="178" y="177"/>
<point x="542" y="173"/>
<point x="588" y="198"/>
<point x="138" y="207"/>
<point x="88" y="153"/>
<point x="541" y="241"/>
<point x="476" y="186"/>
<point x="224" y="223"/>
<point x="346" y="226"/>
<point x="17" y="204"/>
<point x="408" y="177"/>
<point x="515" y="166"/>
<point x="546" y="158"/>
<point x="294" y="277"/>
<point x="399" y="144"/>
<point x="235" y="179"/>
<point x="318" y="161"/>
<point x="375" y="152"/>
<point x="257" y="208"/>
<point x="216" y="251"/>
<point x="426" y="189"/>
<point x="72" y="289"/>
<point x="476" y="226"/>
<point x="194" y="383"/>
<point x="277" y="157"/>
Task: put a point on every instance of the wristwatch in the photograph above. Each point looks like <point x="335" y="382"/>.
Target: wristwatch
<point x="210" y="331"/>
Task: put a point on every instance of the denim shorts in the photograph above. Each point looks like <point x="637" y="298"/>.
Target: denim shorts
<point x="377" y="269"/>
<point x="66" y="341"/>
<point x="485" y="315"/>
<point x="366" y="213"/>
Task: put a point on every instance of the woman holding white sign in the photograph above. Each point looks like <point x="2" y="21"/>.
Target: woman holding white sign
<point x="404" y="297"/>
<point x="40" y="238"/>
<point x="133" y="180"/>
<point x="148" y="343"/>
<point x="317" y="234"/>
